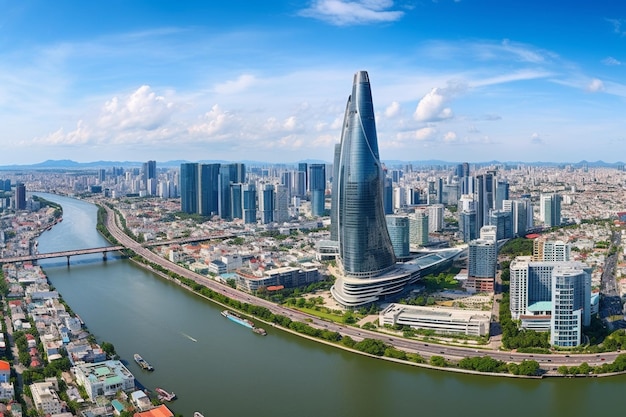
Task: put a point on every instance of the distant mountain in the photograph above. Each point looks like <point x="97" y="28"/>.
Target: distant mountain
<point x="73" y="165"/>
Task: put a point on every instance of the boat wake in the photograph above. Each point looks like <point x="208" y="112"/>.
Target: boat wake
<point x="189" y="337"/>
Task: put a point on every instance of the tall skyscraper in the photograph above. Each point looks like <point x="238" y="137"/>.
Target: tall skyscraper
<point x="317" y="188"/>
<point x="229" y="174"/>
<point x="208" y="191"/>
<point x="189" y="188"/>
<point x="20" y="196"/>
<point x="267" y="203"/>
<point x="281" y="213"/>
<point x="149" y="177"/>
<point x="248" y="192"/>
<point x="366" y="256"/>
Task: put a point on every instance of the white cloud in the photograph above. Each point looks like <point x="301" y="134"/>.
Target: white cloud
<point x="242" y="83"/>
<point x="449" y="137"/>
<point x="432" y="106"/>
<point x="535" y="139"/>
<point x="357" y="12"/>
<point x="143" y="109"/>
<point x="425" y="133"/>
<point x="214" y="122"/>
<point x="392" y="110"/>
<point x="611" y="61"/>
<point x="79" y="136"/>
<point x="617" y="26"/>
<point x="595" y="86"/>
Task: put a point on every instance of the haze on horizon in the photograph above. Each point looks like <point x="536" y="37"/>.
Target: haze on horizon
<point x="453" y="80"/>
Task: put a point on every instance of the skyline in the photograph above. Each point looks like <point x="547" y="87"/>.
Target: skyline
<point x="452" y="80"/>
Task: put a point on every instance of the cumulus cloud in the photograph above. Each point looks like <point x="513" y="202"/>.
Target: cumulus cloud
<point x="425" y="133"/>
<point x="432" y="107"/>
<point x="274" y="125"/>
<point x="214" y="122"/>
<point x="610" y="61"/>
<point x="143" y="109"/>
<point x="79" y="136"/>
<point x="242" y="83"/>
<point x="356" y="12"/>
<point x="595" y="86"/>
<point x="535" y="139"/>
<point x="449" y="137"/>
<point x="392" y="110"/>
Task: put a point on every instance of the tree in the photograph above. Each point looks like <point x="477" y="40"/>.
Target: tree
<point x="108" y="348"/>
<point x="438" y="361"/>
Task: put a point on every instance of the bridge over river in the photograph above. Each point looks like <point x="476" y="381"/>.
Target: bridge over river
<point x="68" y="253"/>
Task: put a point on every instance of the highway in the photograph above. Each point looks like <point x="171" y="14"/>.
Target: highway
<point x="427" y="350"/>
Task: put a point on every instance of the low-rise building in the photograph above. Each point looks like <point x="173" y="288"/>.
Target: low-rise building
<point x="104" y="378"/>
<point x="441" y="320"/>
<point x="46" y="397"/>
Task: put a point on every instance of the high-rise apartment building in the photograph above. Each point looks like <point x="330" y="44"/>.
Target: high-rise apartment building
<point x="550" y="209"/>
<point x="366" y="264"/>
<point x="551" y="250"/>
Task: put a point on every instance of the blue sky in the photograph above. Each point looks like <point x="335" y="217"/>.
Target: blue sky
<point x="468" y="80"/>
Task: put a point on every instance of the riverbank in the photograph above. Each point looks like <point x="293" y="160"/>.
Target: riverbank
<point x="546" y="373"/>
<point x="304" y="319"/>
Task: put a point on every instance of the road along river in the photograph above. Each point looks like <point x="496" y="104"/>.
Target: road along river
<point x="220" y="368"/>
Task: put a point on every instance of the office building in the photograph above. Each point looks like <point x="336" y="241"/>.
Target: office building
<point x="367" y="270"/>
<point x="248" y="193"/>
<point x="266" y="203"/>
<point x="467" y="225"/>
<point x="482" y="261"/>
<point x="435" y="218"/>
<point x="418" y="227"/>
<point x="550" y="209"/>
<point x="189" y="188"/>
<point x="282" y="204"/>
<point x="503" y="221"/>
<point x="551" y="296"/>
<point x="208" y="191"/>
<point x="20" y="196"/>
<point x="398" y="227"/>
<point x="317" y="188"/>
<point x="149" y="177"/>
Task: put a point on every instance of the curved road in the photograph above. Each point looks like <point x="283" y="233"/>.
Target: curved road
<point x="427" y="350"/>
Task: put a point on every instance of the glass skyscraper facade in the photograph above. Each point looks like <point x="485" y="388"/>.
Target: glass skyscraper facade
<point x="364" y="244"/>
<point x="189" y="187"/>
<point x="367" y="269"/>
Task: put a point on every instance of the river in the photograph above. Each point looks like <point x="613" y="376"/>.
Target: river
<point x="222" y="369"/>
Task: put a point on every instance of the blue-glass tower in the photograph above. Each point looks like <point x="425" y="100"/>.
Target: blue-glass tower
<point x="189" y="188"/>
<point x="317" y="187"/>
<point x="365" y="248"/>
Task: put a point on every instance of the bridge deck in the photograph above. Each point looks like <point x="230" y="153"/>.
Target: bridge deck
<point x="60" y="254"/>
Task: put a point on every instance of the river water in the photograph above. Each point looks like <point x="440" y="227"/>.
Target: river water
<point x="223" y="369"/>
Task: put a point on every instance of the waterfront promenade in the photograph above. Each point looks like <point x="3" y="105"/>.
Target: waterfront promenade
<point x="548" y="362"/>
